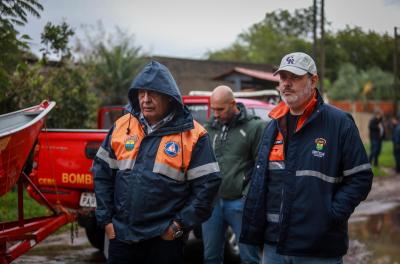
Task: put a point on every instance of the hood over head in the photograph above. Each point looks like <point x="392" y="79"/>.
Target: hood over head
<point x="155" y="77"/>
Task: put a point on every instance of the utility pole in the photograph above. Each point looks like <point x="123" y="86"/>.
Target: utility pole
<point x="315" y="14"/>
<point x="395" y="73"/>
<point x="322" y="49"/>
<point x="319" y="43"/>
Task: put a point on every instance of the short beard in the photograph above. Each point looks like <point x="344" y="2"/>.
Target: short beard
<point x="293" y="99"/>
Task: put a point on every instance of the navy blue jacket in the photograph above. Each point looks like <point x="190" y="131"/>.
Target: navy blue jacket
<point x="325" y="175"/>
<point x="144" y="181"/>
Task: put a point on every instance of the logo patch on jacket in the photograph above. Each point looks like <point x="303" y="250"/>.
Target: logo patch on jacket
<point x="319" y="146"/>
<point x="130" y="142"/>
<point x="171" y="148"/>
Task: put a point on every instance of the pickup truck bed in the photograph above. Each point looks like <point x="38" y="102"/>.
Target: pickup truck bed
<point x="61" y="165"/>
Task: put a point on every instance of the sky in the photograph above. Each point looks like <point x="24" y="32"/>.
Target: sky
<point x="188" y="28"/>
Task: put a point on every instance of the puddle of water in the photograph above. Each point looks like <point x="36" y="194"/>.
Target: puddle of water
<point x="375" y="234"/>
<point x="58" y="249"/>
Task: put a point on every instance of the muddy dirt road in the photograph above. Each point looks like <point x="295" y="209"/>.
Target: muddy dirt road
<point x="374" y="233"/>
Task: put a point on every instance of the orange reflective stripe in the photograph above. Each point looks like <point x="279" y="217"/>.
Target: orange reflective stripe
<point x="277" y="150"/>
<point x="169" y="153"/>
<point x="126" y="147"/>
<point x="307" y="112"/>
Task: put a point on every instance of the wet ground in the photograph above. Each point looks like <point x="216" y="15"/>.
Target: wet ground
<point x="58" y="249"/>
<point x="374" y="231"/>
<point x="374" y="235"/>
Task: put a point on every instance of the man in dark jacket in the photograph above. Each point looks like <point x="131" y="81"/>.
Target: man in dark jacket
<point x="376" y="135"/>
<point x="235" y="137"/>
<point x="312" y="171"/>
<point x="155" y="175"/>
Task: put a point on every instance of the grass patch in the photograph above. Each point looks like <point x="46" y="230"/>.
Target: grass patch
<point x="386" y="158"/>
<point x="9" y="207"/>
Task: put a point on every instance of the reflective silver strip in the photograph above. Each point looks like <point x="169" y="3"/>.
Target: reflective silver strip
<point x="356" y="169"/>
<point x="126" y="164"/>
<point x="113" y="163"/>
<point x="104" y="155"/>
<point x="274" y="218"/>
<point x="202" y="170"/>
<point x="168" y="171"/>
<point x="276" y="165"/>
<point x="319" y="175"/>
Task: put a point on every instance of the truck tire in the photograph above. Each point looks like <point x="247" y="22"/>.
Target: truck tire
<point x="94" y="233"/>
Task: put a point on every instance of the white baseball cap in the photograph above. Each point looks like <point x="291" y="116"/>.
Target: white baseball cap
<point x="297" y="63"/>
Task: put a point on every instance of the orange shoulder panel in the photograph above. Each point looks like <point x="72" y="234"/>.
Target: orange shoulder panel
<point x="126" y="146"/>
<point x="170" y="150"/>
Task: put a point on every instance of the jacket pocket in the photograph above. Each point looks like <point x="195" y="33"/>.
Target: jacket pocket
<point x="121" y="192"/>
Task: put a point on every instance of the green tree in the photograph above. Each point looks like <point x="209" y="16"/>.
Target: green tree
<point x="68" y="85"/>
<point x="13" y="46"/>
<point x="348" y="85"/>
<point x="236" y="52"/>
<point x="363" y="49"/>
<point x="77" y="105"/>
<point x="114" y="60"/>
<point x="62" y="81"/>
<point x="280" y="32"/>
<point x="381" y="84"/>
<point x="355" y="84"/>
<point x="14" y="13"/>
<point x="299" y="24"/>
<point x="56" y="39"/>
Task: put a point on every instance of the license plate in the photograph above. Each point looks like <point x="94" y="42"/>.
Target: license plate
<point x="87" y="200"/>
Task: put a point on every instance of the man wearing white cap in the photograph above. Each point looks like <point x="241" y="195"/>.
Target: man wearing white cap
<point x="312" y="171"/>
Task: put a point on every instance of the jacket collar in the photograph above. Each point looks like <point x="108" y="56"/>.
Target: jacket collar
<point x="282" y="109"/>
<point x="236" y="119"/>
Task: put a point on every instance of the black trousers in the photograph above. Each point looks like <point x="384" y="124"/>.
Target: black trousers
<point x="152" y="251"/>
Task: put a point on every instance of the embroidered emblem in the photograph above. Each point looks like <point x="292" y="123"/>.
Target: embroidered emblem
<point x="171" y="148"/>
<point x="290" y="60"/>
<point x="319" y="146"/>
<point x="130" y="142"/>
<point x="320" y="143"/>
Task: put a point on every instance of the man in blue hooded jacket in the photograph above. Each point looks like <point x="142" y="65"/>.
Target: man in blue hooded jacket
<point x="155" y="174"/>
<point x="312" y="171"/>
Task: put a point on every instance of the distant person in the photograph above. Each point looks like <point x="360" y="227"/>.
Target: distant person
<point x="155" y="175"/>
<point x="376" y="136"/>
<point x="396" y="142"/>
<point x="312" y="171"/>
<point x="235" y="137"/>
